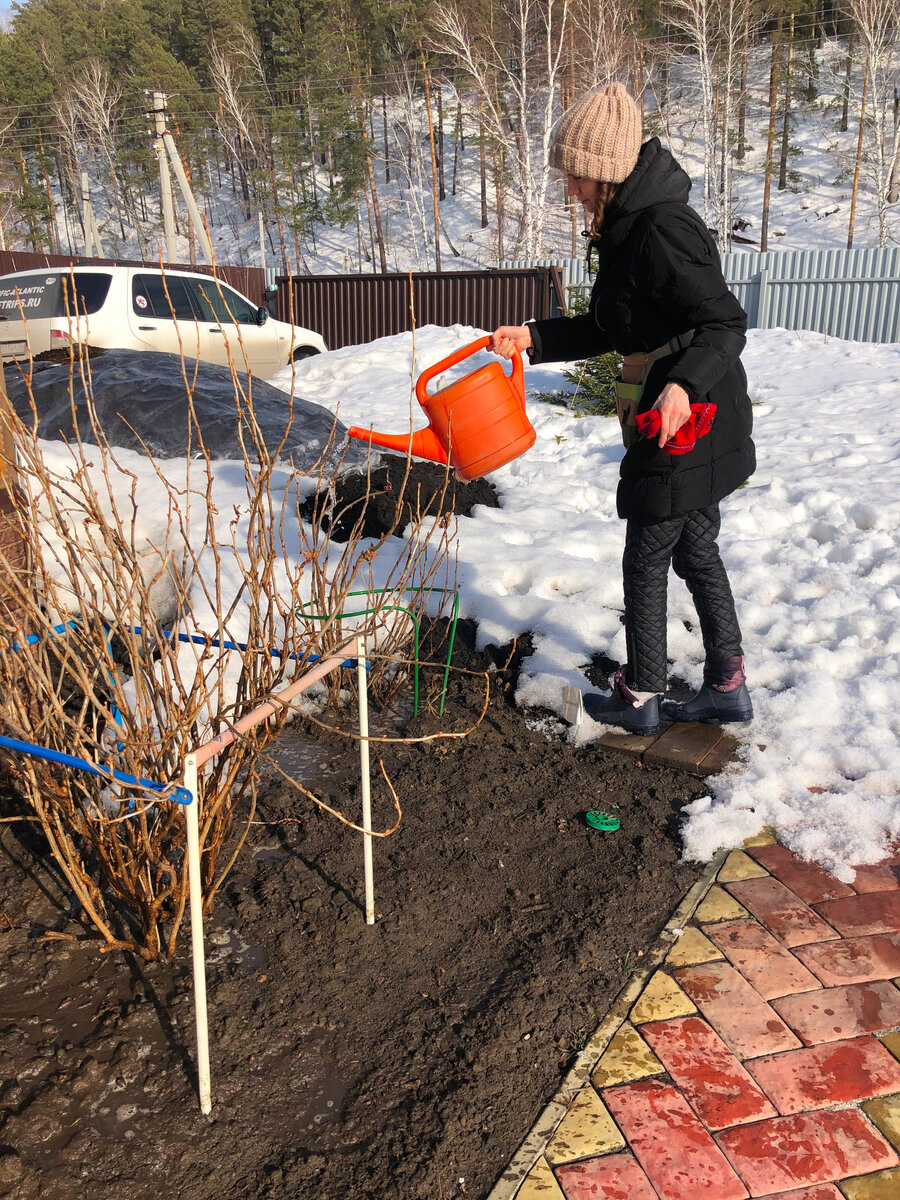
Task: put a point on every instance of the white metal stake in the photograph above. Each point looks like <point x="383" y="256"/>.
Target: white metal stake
<point x="192" y="816"/>
<point x="364" y="772"/>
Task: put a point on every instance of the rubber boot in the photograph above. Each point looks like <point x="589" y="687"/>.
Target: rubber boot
<point x="723" y="698"/>
<point x="624" y="709"/>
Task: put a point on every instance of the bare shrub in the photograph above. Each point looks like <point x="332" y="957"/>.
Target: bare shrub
<point x="156" y="619"/>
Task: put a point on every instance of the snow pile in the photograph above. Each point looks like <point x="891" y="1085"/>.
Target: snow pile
<point x="811" y="544"/>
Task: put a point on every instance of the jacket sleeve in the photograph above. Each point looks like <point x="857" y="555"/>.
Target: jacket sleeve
<point x="689" y="290"/>
<point x="564" y="339"/>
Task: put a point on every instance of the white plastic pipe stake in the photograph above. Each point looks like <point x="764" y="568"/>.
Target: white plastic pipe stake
<point x="192" y="816"/>
<point x="364" y="774"/>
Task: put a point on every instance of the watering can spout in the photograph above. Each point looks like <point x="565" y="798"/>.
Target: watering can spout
<point x="475" y="425"/>
<point x="424" y="443"/>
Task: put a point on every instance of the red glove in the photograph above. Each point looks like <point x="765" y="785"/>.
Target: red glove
<point x="696" y="426"/>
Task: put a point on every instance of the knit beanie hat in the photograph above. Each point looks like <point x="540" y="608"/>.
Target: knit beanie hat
<point x="599" y="137"/>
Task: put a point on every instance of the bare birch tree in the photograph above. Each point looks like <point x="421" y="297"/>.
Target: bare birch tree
<point x="714" y="33"/>
<point x="97" y="100"/>
<point x="514" y="56"/>
<point x="877" y="29"/>
<point x="602" y="46"/>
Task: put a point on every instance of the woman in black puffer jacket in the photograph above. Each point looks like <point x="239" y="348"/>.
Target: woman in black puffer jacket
<point x="661" y="301"/>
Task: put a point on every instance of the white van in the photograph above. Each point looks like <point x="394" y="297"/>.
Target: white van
<point x="144" y="308"/>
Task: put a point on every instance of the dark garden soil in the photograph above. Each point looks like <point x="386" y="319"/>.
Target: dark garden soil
<point x="402" y="1060"/>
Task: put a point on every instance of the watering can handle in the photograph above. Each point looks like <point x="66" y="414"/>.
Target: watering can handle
<point x="517" y="377"/>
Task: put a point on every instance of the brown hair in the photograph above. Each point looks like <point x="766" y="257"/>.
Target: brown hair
<point x="605" y="194"/>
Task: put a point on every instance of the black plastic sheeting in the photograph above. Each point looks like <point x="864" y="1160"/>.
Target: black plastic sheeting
<point x="140" y="396"/>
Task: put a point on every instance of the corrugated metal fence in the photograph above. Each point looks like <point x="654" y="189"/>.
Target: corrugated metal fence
<point x="348" y="310"/>
<point x="251" y="281"/>
<point x="853" y="294"/>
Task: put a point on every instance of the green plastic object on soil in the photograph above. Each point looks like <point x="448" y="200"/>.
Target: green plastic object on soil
<point x="363" y="612"/>
<point x="601" y="820"/>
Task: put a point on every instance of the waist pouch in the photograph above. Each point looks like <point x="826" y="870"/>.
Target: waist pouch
<point x="628" y="395"/>
<point x="628" y="398"/>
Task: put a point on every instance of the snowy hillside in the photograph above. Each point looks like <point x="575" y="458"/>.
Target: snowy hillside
<point x="813" y="212"/>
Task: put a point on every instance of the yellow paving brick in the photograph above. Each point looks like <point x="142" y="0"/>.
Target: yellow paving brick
<point x="586" y="1130"/>
<point x="692" y="947"/>
<point x="765" y="837"/>
<point x="719" y="906"/>
<point x="885" y="1112"/>
<point x="739" y="865"/>
<point x="883" y="1185"/>
<point x="892" y="1041"/>
<point x="660" y="1000"/>
<point x="626" y="1058"/>
<point x="540" y="1184"/>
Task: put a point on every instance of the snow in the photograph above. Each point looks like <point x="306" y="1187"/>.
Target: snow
<point x="811" y="546"/>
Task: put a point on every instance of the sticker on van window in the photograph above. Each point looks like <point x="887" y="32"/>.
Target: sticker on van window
<point x="140" y="301"/>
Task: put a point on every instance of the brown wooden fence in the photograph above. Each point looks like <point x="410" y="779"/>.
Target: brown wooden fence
<point x="251" y="281"/>
<point x="348" y="310"/>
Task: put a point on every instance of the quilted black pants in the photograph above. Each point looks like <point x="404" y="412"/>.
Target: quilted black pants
<point x="688" y="542"/>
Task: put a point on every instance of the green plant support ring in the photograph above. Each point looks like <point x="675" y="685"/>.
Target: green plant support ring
<point x="602" y="821"/>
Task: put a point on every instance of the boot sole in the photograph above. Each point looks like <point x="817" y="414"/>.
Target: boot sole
<point x="705" y="719"/>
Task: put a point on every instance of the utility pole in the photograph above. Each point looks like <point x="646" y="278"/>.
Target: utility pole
<point x="262" y="241"/>
<point x="183" y="183"/>
<point x="165" y="179"/>
<point x="167" y="153"/>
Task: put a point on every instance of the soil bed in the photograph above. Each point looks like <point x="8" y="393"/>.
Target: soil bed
<point x="403" y="1060"/>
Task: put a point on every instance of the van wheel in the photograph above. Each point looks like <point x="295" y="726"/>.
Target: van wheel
<point x="304" y="352"/>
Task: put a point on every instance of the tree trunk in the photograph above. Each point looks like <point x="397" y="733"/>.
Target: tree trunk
<point x="848" y="79"/>
<point x="742" y="99"/>
<point x="434" y="174"/>
<point x="442" y="193"/>
<point x="373" y="187"/>
<point x="457" y="138"/>
<point x="770" y="142"/>
<point x="384" y="125"/>
<point x="894" y="178"/>
<point x="482" y="164"/>
<point x="786" y="128"/>
<point x="859" y="151"/>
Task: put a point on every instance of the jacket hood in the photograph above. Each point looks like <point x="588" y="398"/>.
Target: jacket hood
<point x="656" y="178"/>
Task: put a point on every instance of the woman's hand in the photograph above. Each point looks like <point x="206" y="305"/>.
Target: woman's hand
<point x="674" y="407"/>
<point x="508" y="338"/>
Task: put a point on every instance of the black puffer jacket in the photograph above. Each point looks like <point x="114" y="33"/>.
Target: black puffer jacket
<point x="659" y="276"/>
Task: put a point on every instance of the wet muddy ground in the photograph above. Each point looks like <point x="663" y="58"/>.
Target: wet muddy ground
<point x="398" y="1061"/>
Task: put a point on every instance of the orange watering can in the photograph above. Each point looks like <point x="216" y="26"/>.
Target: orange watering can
<point x="476" y="424"/>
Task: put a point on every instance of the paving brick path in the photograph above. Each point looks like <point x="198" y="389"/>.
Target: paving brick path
<point x="762" y="1058"/>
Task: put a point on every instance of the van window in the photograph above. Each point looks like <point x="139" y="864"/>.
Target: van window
<point x="220" y="304"/>
<point x="149" y="298"/>
<point x="56" y="294"/>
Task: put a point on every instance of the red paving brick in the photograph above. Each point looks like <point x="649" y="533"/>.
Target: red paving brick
<point x="715" y="1084"/>
<point x="740" y="1016"/>
<point x="853" y="960"/>
<point x="811" y="882"/>
<point x="821" y="1191"/>
<point x="612" y="1177"/>
<point x="856" y="916"/>
<point x="882" y="877"/>
<point x="841" y="1012"/>
<point x="680" y="1158"/>
<point x="834" y="1073"/>
<point x="783" y="913"/>
<point x="791" y="1152"/>
<point x="762" y="960"/>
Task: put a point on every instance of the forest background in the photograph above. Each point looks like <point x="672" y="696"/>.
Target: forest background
<point x="296" y="117"/>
